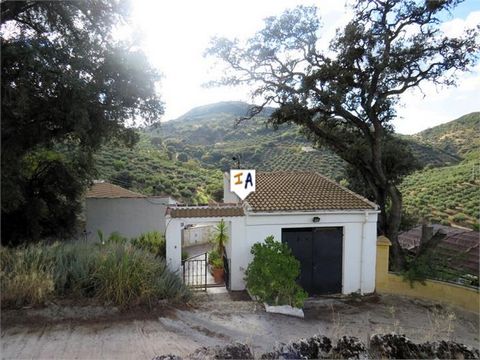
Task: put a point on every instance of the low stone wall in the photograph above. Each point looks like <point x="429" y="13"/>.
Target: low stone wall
<point x="463" y="297"/>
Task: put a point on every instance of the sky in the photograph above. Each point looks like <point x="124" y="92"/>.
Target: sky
<point x="175" y="34"/>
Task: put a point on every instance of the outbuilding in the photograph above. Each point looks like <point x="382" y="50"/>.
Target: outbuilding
<point x="111" y="208"/>
<point x="331" y="230"/>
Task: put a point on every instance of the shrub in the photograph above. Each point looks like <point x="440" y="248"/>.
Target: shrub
<point x="73" y="264"/>
<point x="215" y="259"/>
<point x="116" y="272"/>
<point x="126" y="275"/>
<point x="459" y="217"/>
<point x="117" y="238"/>
<point x="151" y="241"/>
<point x="272" y="274"/>
<point x="26" y="276"/>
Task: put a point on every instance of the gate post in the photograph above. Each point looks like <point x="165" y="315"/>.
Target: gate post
<point x="173" y="244"/>
<point x="381" y="268"/>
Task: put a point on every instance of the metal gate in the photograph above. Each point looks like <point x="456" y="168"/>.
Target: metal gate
<point x="195" y="270"/>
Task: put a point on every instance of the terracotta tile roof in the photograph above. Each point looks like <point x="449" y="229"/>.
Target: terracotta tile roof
<point x="302" y="191"/>
<point x="205" y="211"/>
<point x="461" y="245"/>
<point x="105" y="190"/>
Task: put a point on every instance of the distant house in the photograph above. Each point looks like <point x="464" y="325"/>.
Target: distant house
<point x="331" y="230"/>
<point x="111" y="208"/>
<point x="460" y="246"/>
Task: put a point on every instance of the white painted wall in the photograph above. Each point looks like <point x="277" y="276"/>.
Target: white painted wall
<point x="129" y="216"/>
<point x="197" y="234"/>
<point x="358" y="261"/>
<point x="358" y="266"/>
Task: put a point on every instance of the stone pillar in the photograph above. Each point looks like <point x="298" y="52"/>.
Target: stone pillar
<point x="381" y="270"/>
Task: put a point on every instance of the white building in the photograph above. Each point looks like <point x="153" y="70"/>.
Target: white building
<point x="331" y="230"/>
<point x="111" y="208"/>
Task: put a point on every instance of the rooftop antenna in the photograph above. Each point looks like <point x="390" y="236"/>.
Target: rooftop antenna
<point x="237" y="159"/>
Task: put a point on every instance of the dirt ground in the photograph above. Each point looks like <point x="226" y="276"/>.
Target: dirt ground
<point x="214" y="319"/>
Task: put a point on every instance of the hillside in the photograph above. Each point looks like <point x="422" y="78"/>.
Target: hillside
<point x="449" y="195"/>
<point x="460" y="136"/>
<point x="184" y="157"/>
<point x="209" y="135"/>
<point x="149" y="169"/>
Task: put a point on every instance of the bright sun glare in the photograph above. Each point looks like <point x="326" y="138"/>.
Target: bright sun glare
<point x="175" y="34"/>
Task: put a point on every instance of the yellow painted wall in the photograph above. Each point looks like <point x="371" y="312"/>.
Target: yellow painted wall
<point x="456" y="295"/>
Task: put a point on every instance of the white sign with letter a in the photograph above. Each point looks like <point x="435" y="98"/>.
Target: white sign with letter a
<point x="242" y="182"/>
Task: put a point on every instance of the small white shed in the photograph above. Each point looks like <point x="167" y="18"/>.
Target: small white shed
<point x="331" y="230"/>
<point x="111" y="208"/>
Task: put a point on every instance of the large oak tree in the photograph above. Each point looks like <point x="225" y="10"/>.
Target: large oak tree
<point x="67" y="87"/>
<point x="345" y="97"/>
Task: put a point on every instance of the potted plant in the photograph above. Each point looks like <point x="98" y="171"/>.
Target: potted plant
<point x="216" y="265"/>
<point x="215" y="256"/>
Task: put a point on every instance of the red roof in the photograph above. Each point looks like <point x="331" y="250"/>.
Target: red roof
<point x="105" y="190"/>
<point x="302" y="191"/>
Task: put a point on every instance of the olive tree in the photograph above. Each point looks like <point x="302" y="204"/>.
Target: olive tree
<point x="67" y="87"/>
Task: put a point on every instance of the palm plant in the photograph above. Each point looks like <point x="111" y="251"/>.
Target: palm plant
<point x="220" y="238"/>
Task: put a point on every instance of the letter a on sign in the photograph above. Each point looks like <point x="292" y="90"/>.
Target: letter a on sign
<point x="242" y="182"/>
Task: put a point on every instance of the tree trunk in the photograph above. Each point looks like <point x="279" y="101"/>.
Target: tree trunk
<point x="393" y="227"/>
<point x="389" y="218"/>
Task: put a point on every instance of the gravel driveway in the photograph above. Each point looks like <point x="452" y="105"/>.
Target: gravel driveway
<point x="215" y="319"/>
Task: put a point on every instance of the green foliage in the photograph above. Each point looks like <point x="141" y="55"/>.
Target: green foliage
<point x="435" y="264"/>
<point x="26" y="276"/>
<point x="100" y="235"/>
<point x="220" y="237"/>
<point x="149" y="171"/>
<point x="182" y="157"/>
<point x="215" y="259"/>
<point x="117" y="238"/>
<point x="152" y="241"/>
<point x="117" y="273"/>
<point x="272" y="274"/>
<point x="448" y="194"/>
<point x="458" y="136"/>
<point x="67" y="87"/>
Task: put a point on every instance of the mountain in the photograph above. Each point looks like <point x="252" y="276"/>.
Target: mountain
<point x="235" y="108"/>
<point x="460" y="136"/>
<point x="210" y="135"/>
<point x="185" y="157"/>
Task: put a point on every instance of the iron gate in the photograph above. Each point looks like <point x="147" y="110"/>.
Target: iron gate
<point x="195" y="270"/>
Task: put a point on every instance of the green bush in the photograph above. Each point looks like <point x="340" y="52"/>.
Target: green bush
<point x="129" y="276"/>
<point x="152" y="241"/>
<point x="459" y="217"/>
<point x="117" y="238"/>
<point x="272" y="274"/>
<point x="115" y="273"/>
<point x="215" y="259"/>
<point x="26" y="276"/>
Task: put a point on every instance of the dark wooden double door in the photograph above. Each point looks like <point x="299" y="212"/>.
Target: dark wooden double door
<point x="319" y="251"/>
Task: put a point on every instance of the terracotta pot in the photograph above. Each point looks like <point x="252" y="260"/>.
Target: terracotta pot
<point x="217" y="274"/>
